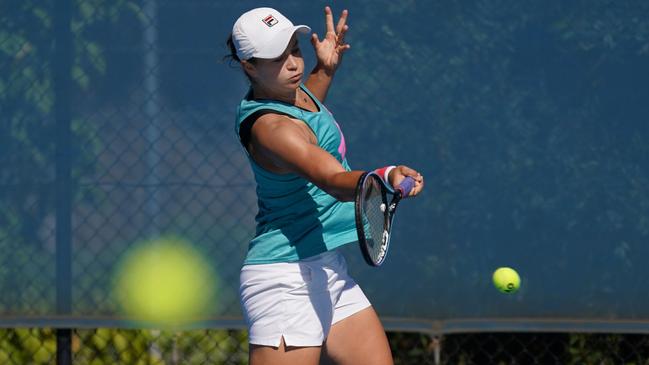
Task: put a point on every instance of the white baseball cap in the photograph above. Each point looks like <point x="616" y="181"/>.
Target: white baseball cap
<point x="263" y="33"/>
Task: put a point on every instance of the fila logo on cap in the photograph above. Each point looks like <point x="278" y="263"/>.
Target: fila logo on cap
<point x="270" y="20"/>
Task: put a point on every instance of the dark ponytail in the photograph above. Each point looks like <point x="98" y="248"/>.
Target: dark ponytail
<point x="233" y="52"/>
<point x="232" y="57"/>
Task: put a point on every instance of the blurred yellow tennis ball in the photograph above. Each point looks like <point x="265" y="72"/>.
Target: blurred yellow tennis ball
<point x="506" y="280"/>
<point x="165" y="281"/>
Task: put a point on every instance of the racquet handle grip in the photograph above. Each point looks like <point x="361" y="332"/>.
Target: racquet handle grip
<point x="406" y="186"/>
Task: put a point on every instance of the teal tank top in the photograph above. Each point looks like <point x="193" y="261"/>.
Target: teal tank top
<point x="296" y="219"/>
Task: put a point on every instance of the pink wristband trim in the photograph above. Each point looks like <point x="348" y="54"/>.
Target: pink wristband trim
<point x="384" y="173"/>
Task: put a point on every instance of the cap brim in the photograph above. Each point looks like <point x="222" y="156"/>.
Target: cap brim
<point x="278" y="44"/>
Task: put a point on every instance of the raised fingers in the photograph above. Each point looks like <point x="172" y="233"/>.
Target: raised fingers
<point x="341" y="35"/>
<point x="340" y="27"/>
<point x="329" y="19"/>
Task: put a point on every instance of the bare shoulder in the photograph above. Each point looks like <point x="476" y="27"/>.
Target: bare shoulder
<point x="272" y="128"/>
<point x="271" y="122"/>
<point x="276" y="140"/>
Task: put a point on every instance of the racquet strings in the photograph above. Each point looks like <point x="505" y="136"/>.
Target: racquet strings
<point x="373" y="209"/>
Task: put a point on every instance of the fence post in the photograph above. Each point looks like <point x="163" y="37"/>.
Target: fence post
<point x="437" y="349"/>
<point x="63" y="190"/>
<point x="152" y="112"/>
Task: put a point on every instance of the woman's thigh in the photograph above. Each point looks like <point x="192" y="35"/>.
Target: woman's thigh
<point x="282" y="355"/>
<point x="358" y="339"/>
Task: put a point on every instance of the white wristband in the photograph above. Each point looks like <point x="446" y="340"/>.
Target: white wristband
<point x="386" y="175"/>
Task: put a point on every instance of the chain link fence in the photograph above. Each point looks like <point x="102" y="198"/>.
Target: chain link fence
<point x="116" y="128"/>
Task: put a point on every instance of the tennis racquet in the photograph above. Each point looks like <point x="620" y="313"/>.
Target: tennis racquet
<point x="375" y="213"/>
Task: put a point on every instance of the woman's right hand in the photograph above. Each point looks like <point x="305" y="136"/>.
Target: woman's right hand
<point x="400" y="172"/>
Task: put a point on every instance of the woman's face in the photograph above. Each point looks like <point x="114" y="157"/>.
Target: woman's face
<point x="282" y="73"/>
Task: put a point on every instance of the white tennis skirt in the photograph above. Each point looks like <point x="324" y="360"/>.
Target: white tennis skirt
<point x="299" y="301"/>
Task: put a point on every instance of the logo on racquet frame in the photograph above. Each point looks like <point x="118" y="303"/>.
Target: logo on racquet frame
<point x="270" y="21"/>
<point x="384" y="245"/>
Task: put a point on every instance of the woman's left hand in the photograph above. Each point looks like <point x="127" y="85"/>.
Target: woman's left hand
<point x="329" y="51"/>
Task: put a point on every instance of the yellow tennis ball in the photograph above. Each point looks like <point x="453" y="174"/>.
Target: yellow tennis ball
<point x="506" y="280"/>
<point x="165" y="281"/>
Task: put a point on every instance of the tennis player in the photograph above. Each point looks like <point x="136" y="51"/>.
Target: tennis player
<point x="300" y="304"/>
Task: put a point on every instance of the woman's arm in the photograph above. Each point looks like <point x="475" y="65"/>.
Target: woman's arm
<point x="318" y="82"/>
<point x="284" y="145"/>
<point x="329" y="53"/>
